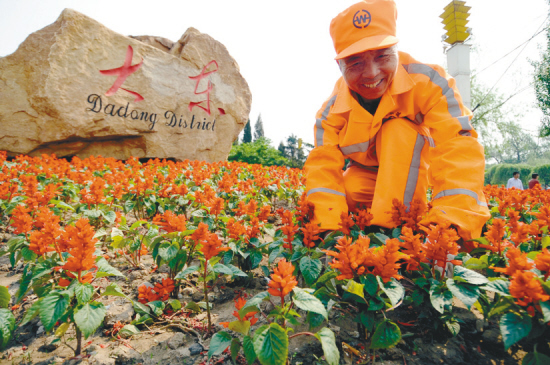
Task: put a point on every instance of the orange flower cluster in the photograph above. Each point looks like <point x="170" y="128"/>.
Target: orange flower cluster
<point x="171" y="222"/>
<point x="413" y="247"/>
<point x="44" y="240"/>
<point x="346" y="223"/>
<point x="410" y="217"/>
<point x="517" y="261"/>
<point x="81" y="246"/>
<point x="311" y="233"/>
<point x="441" y="240"/>
<point x="235" y="229"/>
<point x="289" y="228"/>
<point x="212" y="246"/>
<point x="282" y="280"/>
<point x="161" y="291"/>
<point x="250" y="316"/>
<point x="95" y="194"/>
<point x="304" y="210"/>
<point x="21" y="220"/>
<point x="542" y="262"/>
<point x="363" y="217"/>
<point x="526" y="288"/>
<point x="495" y="235"/>
<point x="359" y="258"/>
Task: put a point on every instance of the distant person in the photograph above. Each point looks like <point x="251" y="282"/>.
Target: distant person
<point x="514" y="182"/>
<point x="534" y="181"/>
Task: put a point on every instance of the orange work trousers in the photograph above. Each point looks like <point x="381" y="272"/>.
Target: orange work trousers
<point x="396" y="167"/>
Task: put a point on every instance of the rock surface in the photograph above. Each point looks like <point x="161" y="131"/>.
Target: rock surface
<point x="76" y="88"/>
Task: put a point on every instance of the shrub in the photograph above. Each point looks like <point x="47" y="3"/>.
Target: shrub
<point x="504" y="172"/>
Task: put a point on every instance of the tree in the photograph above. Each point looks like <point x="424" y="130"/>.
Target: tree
<point x="259" y="128"/>
<point x="247" y="134"/>
<point x="294" y="151"/>
<point x="258" y="152"/>
<point x="542" y="86"/>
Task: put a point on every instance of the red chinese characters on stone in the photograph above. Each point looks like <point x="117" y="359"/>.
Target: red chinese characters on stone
<point x="207" y="91"/>
<point x="123" y="72"/>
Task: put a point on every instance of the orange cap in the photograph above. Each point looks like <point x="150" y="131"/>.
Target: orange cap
<point x="367" y="25"/>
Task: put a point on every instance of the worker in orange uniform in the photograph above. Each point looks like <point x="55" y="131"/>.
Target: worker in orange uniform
<point x="392" y="117"/>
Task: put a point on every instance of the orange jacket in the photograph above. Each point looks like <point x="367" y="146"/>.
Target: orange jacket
<point x="425" y="95"/>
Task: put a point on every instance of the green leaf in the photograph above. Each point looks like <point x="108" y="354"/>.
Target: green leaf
<point x="84" y="292"/>
<point x="114" y="290"/>
<point x="274" y="254"/>
<point x="477" y="264"/>
<point x="89" y="318"/>
<point x="255" y="301"/>
<point x="468" y="294"/>
<point x="5" y="297"/>
<point x="386" y="335"/>
<point x="129" y="330"/>
<point x="470" y="276"/>
<point x="52" y="307"/>
<point x="504" y="305"/>
<point x="24" y="284"/>
<point x="105" y="269"/>
<point x="157" y="307"/>
<point x="236" y="271"/>
<point x="367" y="320"/>
<point x="219" y="342"/>
<point x="240" y="326"/>
<point x="328" y="342"/>
<point x="168" y="251"/>
<point x="393" y="289"/>
<point x="248" y="347"/>
<point x="271" y="344"/>
<point x="175" y="304"/>
<point x="355" y="288"/>
<point x="193" y="306"/>
<point x="501" y="287"/>
<point x="110" y="216"/>
<point x="545" y="306"/>
<point x="453" y="327"/>
<point x="314" y="319"/>
<point x="535" y="358"/>
<point x="182" y="274"/>
<point x="310" y="269"/>
<point x="222" y="269"/>
<point x="378" y="239"/>
<point x="305" y="301"/>
<point x="513" y="328"/>
<point x="371" y="284"/>
<point x="31" y="313"/>
<point x="235" y="347"/>
<point x="440" y="297"/>
<point x="141" y="308"/>
<point x="255" y="259"/>
<point x="7" y="326"/>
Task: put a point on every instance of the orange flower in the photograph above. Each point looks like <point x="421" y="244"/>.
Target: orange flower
<point x="346" y="222"/>
<point x="526" y="288"/>
<point x="363" y="218"/>
<point x="81" y="242"/>
<point x="40" y="243"/>
<point x="250" y="316"/>
<point x="311" y="232"/>
<point x="353" y="259"/>
<point x="265" y="213"/>
<point x="413" y="247"/>
<point x="21" y="220"/>
<point x="201" y="233"/>
<point x="543" y="216"/>
<point x="495" y="235"/>
<point x="64" y="282"/>
<point x="386" y="260"/>
<point x="304" y="209"/>
<point x="146" y="294"/>
<point x="282" y="281"/>
<point x="163" y="290"/>
<point x="235" y="229"/>
<point x="542" y="262"/>
<point x="440" y="242"/>
<point x="517" y="261"/>
<point x="212" y="246"/>
<point x="521" y="233"/>
<point x="171" y="222"/>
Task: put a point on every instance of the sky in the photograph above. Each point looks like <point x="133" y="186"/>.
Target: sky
<point x="285" y="52"/>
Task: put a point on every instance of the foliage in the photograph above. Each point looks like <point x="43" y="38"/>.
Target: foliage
<point x="247" y="133"/>
<point x="542" y="86"/>
<point x="294" y="151"/>
<point x="257" y="152"/>
<point x="259" y="128"/>
<point x="503" y="172"/>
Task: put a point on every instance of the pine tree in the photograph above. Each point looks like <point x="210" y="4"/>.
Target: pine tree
<point x="247" y="134"/>
<point x="258" y="128"/>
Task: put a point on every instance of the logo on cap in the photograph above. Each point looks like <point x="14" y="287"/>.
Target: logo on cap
<point x="361" y="19"/>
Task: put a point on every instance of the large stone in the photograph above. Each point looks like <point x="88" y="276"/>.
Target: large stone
<point x="75" y="87"/>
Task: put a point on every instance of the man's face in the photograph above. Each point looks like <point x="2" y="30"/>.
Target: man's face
<point x="370" y="73"/>
<point x="516" y="176"/>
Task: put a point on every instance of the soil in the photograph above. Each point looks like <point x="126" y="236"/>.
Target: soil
<point x="477" y="343"/>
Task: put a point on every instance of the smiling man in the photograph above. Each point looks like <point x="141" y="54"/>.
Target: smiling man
<point x="400" y="123"/>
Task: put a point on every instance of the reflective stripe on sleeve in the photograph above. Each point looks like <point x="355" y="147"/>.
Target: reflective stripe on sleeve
<point x="358" y="147"/>
<point x="414" y="169"/>
<point x="325" y="190"/>
<point x="319" y="122"/>
<point x="450" y="192"/>
<point x="446" y="90"/>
